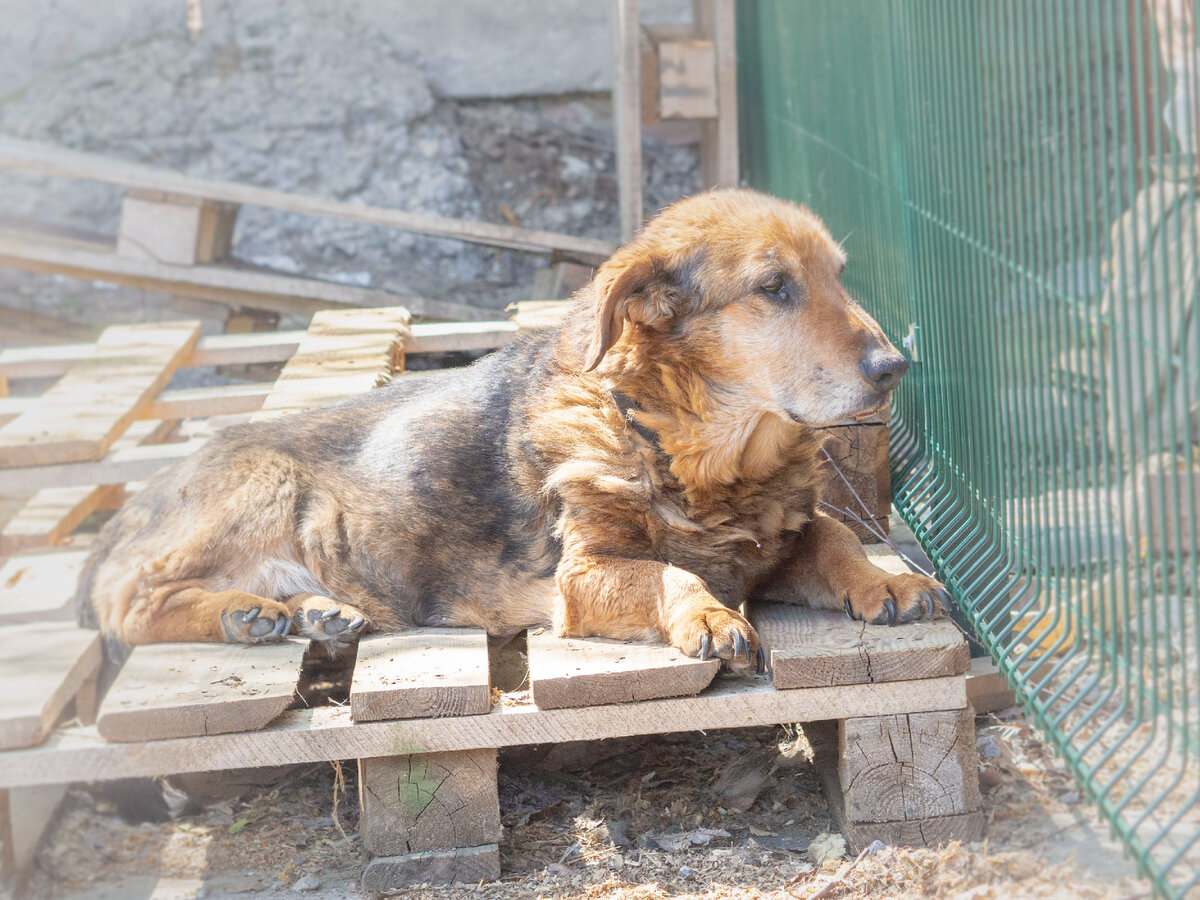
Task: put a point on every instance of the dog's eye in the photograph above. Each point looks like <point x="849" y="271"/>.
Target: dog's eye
<point x="776" y="286"/>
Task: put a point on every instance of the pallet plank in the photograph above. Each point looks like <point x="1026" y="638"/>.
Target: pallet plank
<point x="343" y="353"/>
<point x="78" y="419"/>
<point x="427" y="672"/>
<point x="184" y="690"/>
<point x="42" y="665"/>
<point x="39" y="587"/>
<point x="568" y="672"/>
<point x="52" y="514"/>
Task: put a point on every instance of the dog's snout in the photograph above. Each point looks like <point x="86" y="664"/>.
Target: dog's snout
<point x="884" y="369"/>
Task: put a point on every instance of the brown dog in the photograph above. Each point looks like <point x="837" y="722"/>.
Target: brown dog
<point x="639" y="472"/>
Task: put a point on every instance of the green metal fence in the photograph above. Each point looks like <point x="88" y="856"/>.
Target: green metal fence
<point x="1018" y="186"/>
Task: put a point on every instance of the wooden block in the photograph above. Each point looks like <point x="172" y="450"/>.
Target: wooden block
<point x="423" y="673"/>
<point x="176" y="230"/>
<point x="820" y="647"/>
<point x="343" y="353"/>
<point x="687" y="79"/>
<point x="42" y="666"/>
<point x="467" y="865"/>
<point x="911" y="778"/>
<point x="39" y="587"/>
<point x="25" y="815"/>
<point x="987" y="689"/>
<point x="860" y="454"/>
<point x="431" y="801"/>
<point x="181" y="690"/>
<point x="52" y="514"/>
<point x="566" y="672"/>
<point x="81" y="416"/>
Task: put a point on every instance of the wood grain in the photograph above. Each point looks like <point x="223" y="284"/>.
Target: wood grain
<point x="42" y="665"/>
<point x="467" y="865"/>
<point x="428" y="672"/>
<point x="565" y="672"/>
<point x="627" y="113"/>
<point x="52" y="514"/>
<point x="325" y="733"/>
<point x="183" y="690"/>
<point x="79" y="418"/>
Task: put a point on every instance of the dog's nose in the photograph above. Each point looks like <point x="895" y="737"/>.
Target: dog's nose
<point x="884" y="370"/>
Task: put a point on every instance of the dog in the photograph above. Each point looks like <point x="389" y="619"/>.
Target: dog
<point x="638" y="472"/>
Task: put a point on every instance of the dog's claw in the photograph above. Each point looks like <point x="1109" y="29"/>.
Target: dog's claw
<point x="891" y="611"/>
<point x="252" y="614"/>
<point x="748" y="660"/>
<point x="846" y="606"/>
<point x="738" y="642"/>
<point x="704" y="647"/>
<point x="330" y="613"/>
<point x="761" y="668"/>
<point x="356" y="623"/>
<point x="282" y="624"/>
<point x="929" y="604"/>
<point x="947" y="600"/>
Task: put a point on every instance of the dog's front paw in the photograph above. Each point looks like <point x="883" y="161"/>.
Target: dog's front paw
<point x="720" y="632"/>
<point x="325" y="619"/>
<point x="897" y="599"/>
<point x="255" y="621"/>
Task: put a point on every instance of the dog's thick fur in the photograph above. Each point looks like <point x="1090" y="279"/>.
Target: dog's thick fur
<point x="638" y="472"/>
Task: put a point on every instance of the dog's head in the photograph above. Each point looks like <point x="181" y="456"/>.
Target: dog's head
<point x="747" y="288"/>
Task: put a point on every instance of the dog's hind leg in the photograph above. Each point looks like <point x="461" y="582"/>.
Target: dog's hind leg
<point x="189" y="612"/>
<point x="325" y="619"/>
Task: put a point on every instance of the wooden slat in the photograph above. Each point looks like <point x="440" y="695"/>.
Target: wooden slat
<point x="428" y="672"/>
<point x="42" y="665"/>
<point x="442" y="337"/>
<point x="627" y="112"/>
<point x="42" y="159"/>
<point x="343" y="353"/>
<point x="566" y="672"/>
<point x="814" y="647"/>
<point x="239" y="285"/>
<point x="52" y="514"/>
<point x="118" y="467"/>
<point x="314" y="735"/>
<point x="535" y="314"/>
<point x="183" y="690"/>
<point x="39" y="587"/>
<point x="78" y="419"/>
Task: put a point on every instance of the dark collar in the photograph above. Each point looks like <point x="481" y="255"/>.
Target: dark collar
<point x="628" y="406"/>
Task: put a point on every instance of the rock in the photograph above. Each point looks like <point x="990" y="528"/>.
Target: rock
<point x="306" y="883"/>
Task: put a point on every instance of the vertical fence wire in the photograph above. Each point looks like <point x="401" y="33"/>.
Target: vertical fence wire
<point x="1018" y="184"/>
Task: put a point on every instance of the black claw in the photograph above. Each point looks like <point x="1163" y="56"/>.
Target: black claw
<point x="846" y="606"/>
<point x="747" y="643"/>
<point x="891" y="611"/>
<point x="947" y="600"/>
<point x="330" y="613"/>
<point x="281" y="626"/>
<point x="929" y="604"/>
<point x="704" y="647"/>
<point x="737" y="642"/>
<point x="761" y="668"/>
<point x="252" y="614"/>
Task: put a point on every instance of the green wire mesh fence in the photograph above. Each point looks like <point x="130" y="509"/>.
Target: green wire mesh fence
<point x="1018" y="186"/>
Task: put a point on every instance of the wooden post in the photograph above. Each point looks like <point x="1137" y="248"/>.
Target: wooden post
<point x="627" y="114"/>
<point x="716" y="21"/>
<point x="907" y="779"/>
<point x="433" y="818"/>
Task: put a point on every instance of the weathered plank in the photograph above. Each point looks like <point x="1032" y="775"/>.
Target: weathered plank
<point x="434" y="801"/>
<point x="173" y="229"/>
<point x="43" y="159"/>
<point x="467" y="865"/>
<point x="423" y="673"/>
<point x="819" y="647"/>
<point x="716" y="20"/>
<point x="343" y="353"/>
<point x="52" y="514"/>
<point x="987" y="689"/>
<point x="687" y="79"/>
<point x="39" y="587"/>
<point x="119" y="466"/>
<point x="25" y="814"/>
<point x="183" y="690"/>
<point x="627" y="113"/>
<point x="42" y="665"/>
<point x="78" y="419"/>
<point x="566" y="672"/>
<point x="325" y="733"/>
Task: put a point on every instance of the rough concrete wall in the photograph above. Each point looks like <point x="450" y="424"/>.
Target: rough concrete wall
<point x="465" y="48"/>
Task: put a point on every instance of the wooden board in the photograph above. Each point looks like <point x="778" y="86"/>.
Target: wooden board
<point x="343" y="353"/>
<point x="565" y="672"/>
<point x="178" y="230"/>
<point x="25" y="814"/>
<point x="314" y="735"/>
<point x="39" y="587"/>
<point x="78" y="419"/>
<point x="627" y="113"/>
<point x="44" y="159"/>
<point x="182" y="690"/>
<point x="466" y="865"/>
<point x="118" y="467"/>
<point x="434" y="801"/>
<point x="856" y="483"/>
<point x="819" y="647"/>
<point x="42" y="665"/>
<point x="52" y="514"/>
<point x="988" y="690"/>
<point x="687" y="79"/>
<point x="443" y="337"/>
<point x="427" y="672"/>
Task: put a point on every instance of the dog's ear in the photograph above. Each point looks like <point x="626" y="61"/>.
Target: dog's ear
<point x="626" y="290"/>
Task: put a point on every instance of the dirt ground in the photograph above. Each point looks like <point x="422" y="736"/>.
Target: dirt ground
<point x="727" y="814"/>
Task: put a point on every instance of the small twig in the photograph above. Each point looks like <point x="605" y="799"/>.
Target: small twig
<point x="838" y="879"/>
<point x="339" y="788"/>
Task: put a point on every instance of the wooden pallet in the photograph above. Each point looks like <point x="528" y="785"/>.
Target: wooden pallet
<point x="422" y="718"/>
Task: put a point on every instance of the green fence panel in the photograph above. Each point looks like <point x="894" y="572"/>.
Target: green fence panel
<point x="1017" y="184"/>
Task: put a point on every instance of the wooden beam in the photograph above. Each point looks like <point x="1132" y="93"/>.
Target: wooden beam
<point x="80" y="417"/>
<point x="316" y="735"/>
<point x="52" y="514"/>
<point x="42" y="666"/>
<point x="443" y="337"/>
<point x="43" y="159"/>
<point x="466" y="865"/>
<point x="717" y="20"/>
<point x="627" y="113"/>
<point x="426" y="672"/>
<point x="182" y="231"/>
<point x="184" y="690"/>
